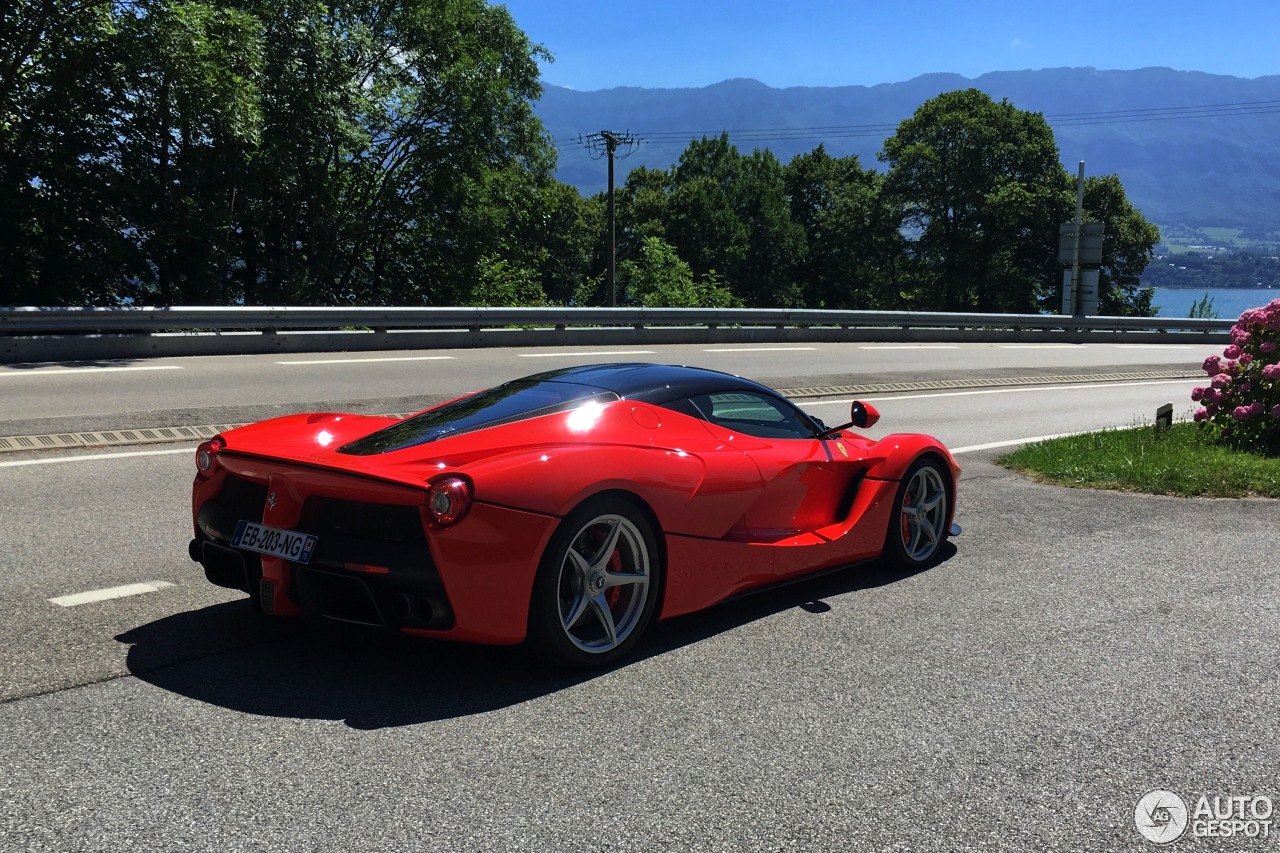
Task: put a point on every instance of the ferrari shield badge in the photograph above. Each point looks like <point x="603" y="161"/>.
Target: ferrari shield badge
<point x="843" y="452"/>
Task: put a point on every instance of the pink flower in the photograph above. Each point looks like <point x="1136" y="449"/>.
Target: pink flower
<point x="1212" y="409"/>
<point x="1240" y="337"/>
<point x="1222" y="380"/>
<point x="1255" y="408"/>
<point x="1232" y="351"/>
<point x="1275" y="411"/>
<point x="1241" y="413"/>
<point x="1211" y="364"/>
<point x="1271" y="371"/>
<point x="1231" y="367"/>
<point x="1246" y="359"/>
<point x="1203" y="415"/>
<point x="1267" y="346"/>
<point x="1197" y="394"/>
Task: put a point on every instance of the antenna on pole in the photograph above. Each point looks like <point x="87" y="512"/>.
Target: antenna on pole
<point x="607" y="143"/>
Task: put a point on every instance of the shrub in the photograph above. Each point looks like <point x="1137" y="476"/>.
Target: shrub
<point x="1240" y="406"/>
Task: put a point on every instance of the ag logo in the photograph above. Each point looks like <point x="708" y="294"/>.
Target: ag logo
<point x="1161" y="816"/>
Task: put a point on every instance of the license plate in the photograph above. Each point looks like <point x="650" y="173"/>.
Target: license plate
<point x="274" y="542"/>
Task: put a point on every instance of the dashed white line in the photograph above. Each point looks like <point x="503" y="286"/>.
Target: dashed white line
<point x="22" y="463"/>
<point x="910" y="346"/>
<point x="96" y="595"/>
<point x="760" y="349"/>
<point x="1043" y="346"/>
<point x="70" y="371"/>
<point x="573" y="354"/>
<point x="371" y="360"/>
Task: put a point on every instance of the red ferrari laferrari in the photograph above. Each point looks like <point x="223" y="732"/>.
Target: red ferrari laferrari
<point x="570" y="508"/>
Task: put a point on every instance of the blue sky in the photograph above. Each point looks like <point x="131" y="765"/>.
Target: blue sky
<point x="689" y="43"/>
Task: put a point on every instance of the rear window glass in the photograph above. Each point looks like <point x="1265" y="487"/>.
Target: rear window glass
<point x="514" y="401"/>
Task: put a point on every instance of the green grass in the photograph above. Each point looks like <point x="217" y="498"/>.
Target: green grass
<point x="1142" y="459"/>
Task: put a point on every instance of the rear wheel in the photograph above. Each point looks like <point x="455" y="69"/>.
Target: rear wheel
<point x="921" y="510"/>
<point x="597" y="586"/>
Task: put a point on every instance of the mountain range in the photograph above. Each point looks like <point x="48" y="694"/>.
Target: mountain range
<point x="1192" y="149"/>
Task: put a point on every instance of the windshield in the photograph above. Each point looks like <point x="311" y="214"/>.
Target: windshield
<point x="514" y="401"/>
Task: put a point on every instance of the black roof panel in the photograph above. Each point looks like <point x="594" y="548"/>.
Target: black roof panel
<point x="652" y="383"/>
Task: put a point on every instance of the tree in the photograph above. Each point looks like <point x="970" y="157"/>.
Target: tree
<point x="270" y="151"/>
<point x="730" y="213"/>
<point x="61" y="235"/>
<point x="983" y="191"/>
<point x="659" y="279"/>
<point x="191" y="109"/>
<point x="1128" y="245"/>
<point x="854" y="249"/>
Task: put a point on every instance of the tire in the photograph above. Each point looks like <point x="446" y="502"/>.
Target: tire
<point x="921" y="516"/>
<point x="597" y="586"/>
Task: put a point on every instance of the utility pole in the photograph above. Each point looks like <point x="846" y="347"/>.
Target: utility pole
<point x="606" y="143"/>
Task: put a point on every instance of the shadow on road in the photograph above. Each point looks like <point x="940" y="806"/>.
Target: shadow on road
<point x="227" y="656"/>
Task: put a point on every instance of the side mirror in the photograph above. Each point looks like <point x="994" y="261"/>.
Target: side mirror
<point x="863" y="415"/>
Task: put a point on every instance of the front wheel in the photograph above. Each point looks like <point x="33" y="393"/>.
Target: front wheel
<point x="597" y="586"/>
<point x="921" y="510"/>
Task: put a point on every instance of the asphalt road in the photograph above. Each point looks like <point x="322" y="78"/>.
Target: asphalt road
<point x="1076" y="650"/>
<point x="164" y="392"/>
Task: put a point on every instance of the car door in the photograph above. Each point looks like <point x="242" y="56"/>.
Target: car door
<point x="803" y="482"/>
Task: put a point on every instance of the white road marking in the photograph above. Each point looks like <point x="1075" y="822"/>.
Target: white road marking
<point x="370" y="360"/>
<point x="96" y="595"/>
<point x="911" y="346"/>
<point x="22" y="463"/>
<point x="1043" y="346"/>
<point x="68" y="371"/>
<point x="1101" y="385"/>
<point x="760" y="349"/>
<point x="572" y="354"/>
<point x="1010" y="443"/>
<point x="1205" y="345"/>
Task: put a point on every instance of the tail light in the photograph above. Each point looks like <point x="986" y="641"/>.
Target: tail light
<point x="207" y="456"/>
<point x="448" y="500"/>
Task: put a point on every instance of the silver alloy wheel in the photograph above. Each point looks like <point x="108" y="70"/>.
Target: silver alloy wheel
<point x="923" y="514"/>
<point x="603" y="583"/>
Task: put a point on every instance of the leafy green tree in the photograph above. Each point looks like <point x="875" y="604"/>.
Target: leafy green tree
<point x="61" y="233"/>
<point x="191" y="109"/>
<point x="1128" y="245"/>
<point x="855" y="252"/>
<point x="983" y="192"/>
<point x="702" y="221"/>
<point x="501" y="283"/>
<point x="659" y="279"/>
<point x="730" y="213"/>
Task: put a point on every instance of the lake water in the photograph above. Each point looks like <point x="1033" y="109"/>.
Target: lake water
<point x="1229" y="302"/>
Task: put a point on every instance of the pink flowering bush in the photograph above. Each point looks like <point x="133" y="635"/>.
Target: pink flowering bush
<point x="1241" y="404"/>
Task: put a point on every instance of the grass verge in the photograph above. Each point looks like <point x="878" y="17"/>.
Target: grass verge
<point x="1142" y="459"/>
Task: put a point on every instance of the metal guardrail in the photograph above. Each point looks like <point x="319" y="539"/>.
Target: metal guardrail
<point x="40" y="334"/>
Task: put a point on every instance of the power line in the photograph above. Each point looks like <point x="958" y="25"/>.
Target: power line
<point x="856" y="131"/>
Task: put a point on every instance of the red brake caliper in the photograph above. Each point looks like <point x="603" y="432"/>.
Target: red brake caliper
<point x="615" y="565"/>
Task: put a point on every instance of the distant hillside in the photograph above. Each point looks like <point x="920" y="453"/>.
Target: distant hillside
<point x="1194" y="171"/>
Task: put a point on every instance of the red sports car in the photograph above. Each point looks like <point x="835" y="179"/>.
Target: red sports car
<point x="570" y="508"/>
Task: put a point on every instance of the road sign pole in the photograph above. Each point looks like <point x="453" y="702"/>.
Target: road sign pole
<point x="1076" y="304"/>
